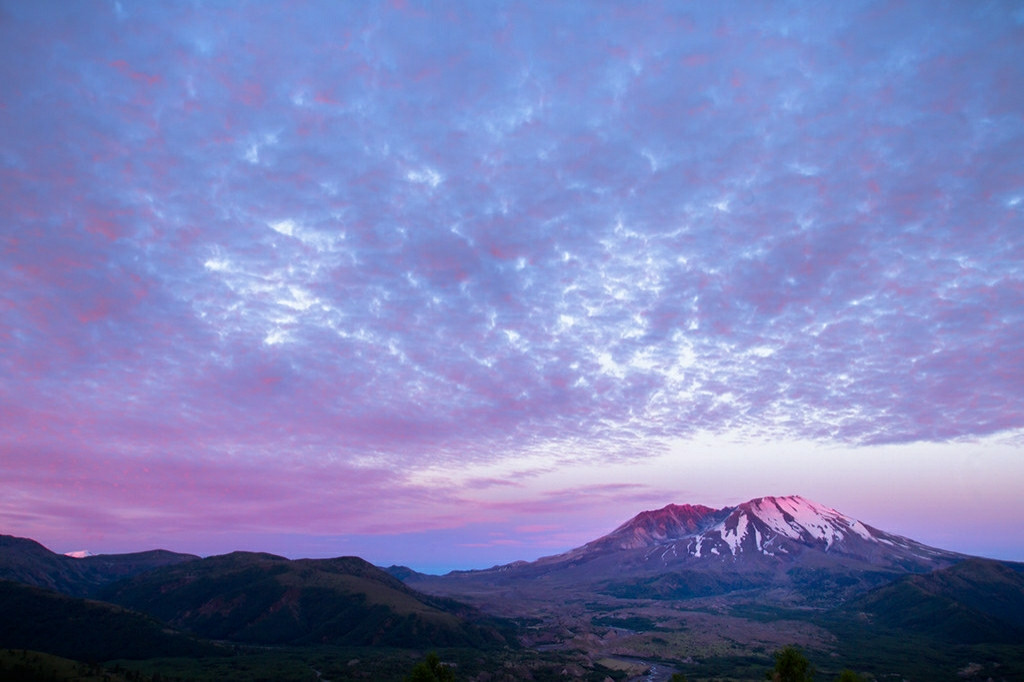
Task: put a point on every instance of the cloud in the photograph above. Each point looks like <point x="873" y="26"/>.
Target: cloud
<point x="429" y="238"/>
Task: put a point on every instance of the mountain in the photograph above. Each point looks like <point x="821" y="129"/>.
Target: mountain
<point x="26" y="561"/>
<point x="42" y="620"/>
<point x="786" y="548"/>
<point x="403" y="573"/>
<point x="767" y="527"/>
<point x="267" y="599"/>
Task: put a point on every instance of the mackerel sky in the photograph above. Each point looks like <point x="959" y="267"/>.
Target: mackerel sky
<point x="457" y="283"/>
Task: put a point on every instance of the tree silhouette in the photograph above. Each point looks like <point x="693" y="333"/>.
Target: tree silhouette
<point x="791" y="666"/>
<point x="431" y="670"/>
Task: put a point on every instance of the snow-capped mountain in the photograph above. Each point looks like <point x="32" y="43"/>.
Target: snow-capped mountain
<point x="789" y="547"/>
<point x="774" y="527"/>
<point x="79" y="554"/>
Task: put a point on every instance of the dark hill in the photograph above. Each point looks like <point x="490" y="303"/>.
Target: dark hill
<point x="977" y="600"/>
<point x="403" y="573"/>
<point x="42" y="620"/>
<point x="267" y="599"/>
<point x="28" y="562"/>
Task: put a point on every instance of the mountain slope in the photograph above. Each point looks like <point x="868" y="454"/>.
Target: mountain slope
<point x="28" y="562"/>
<point x="266" y="599"/>
<point x="655" y="527"/>
<point x="42" y="620"/>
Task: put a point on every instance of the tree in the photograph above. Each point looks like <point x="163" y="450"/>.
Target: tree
<point x="677" y="677"/>
<point x="431" y="670"/>
<point x="849" y="676"/>
<point x="791" y="666"/>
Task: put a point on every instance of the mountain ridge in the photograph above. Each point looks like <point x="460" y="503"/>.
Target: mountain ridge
<point x="267" y="599"/>
<point x="243" y="597"/>
<point x="26" y="561"/>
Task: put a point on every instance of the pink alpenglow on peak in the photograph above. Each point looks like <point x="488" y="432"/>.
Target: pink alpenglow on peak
<point x="764" y="529"/>
<point x="672" y="521"/>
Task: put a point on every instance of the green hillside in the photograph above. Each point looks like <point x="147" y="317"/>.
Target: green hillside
<point x="39" y="619"/>
<point x="267" y="599"/>
<point x="20" y="665"/>
<point x="975" y="601"/>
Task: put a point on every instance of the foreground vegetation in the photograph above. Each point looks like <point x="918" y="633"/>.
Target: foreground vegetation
<point x="331" y="664"/>
<point x="339" y="664"/>
<point x="735" y="644"/>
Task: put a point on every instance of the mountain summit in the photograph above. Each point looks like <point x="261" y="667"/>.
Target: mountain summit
<point x="674" y="522"/>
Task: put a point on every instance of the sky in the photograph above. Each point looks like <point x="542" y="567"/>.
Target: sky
<point x="452" y="284"/>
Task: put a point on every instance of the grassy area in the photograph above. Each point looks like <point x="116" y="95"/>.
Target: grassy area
<point x="20" y="665"/>
<point x="896" y="653"/>
<point x="884" y="655"/>
<point x="341" y="664"/>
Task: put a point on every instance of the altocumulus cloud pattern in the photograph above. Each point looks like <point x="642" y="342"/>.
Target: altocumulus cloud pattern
<point x="415" y="232"/>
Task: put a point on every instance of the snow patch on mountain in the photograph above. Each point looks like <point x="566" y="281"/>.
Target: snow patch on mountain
<point x="763" y="526"/>
<point x="735" y="536"/>
<point x="794" y="518"/>
<point x="79" y="554"/>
